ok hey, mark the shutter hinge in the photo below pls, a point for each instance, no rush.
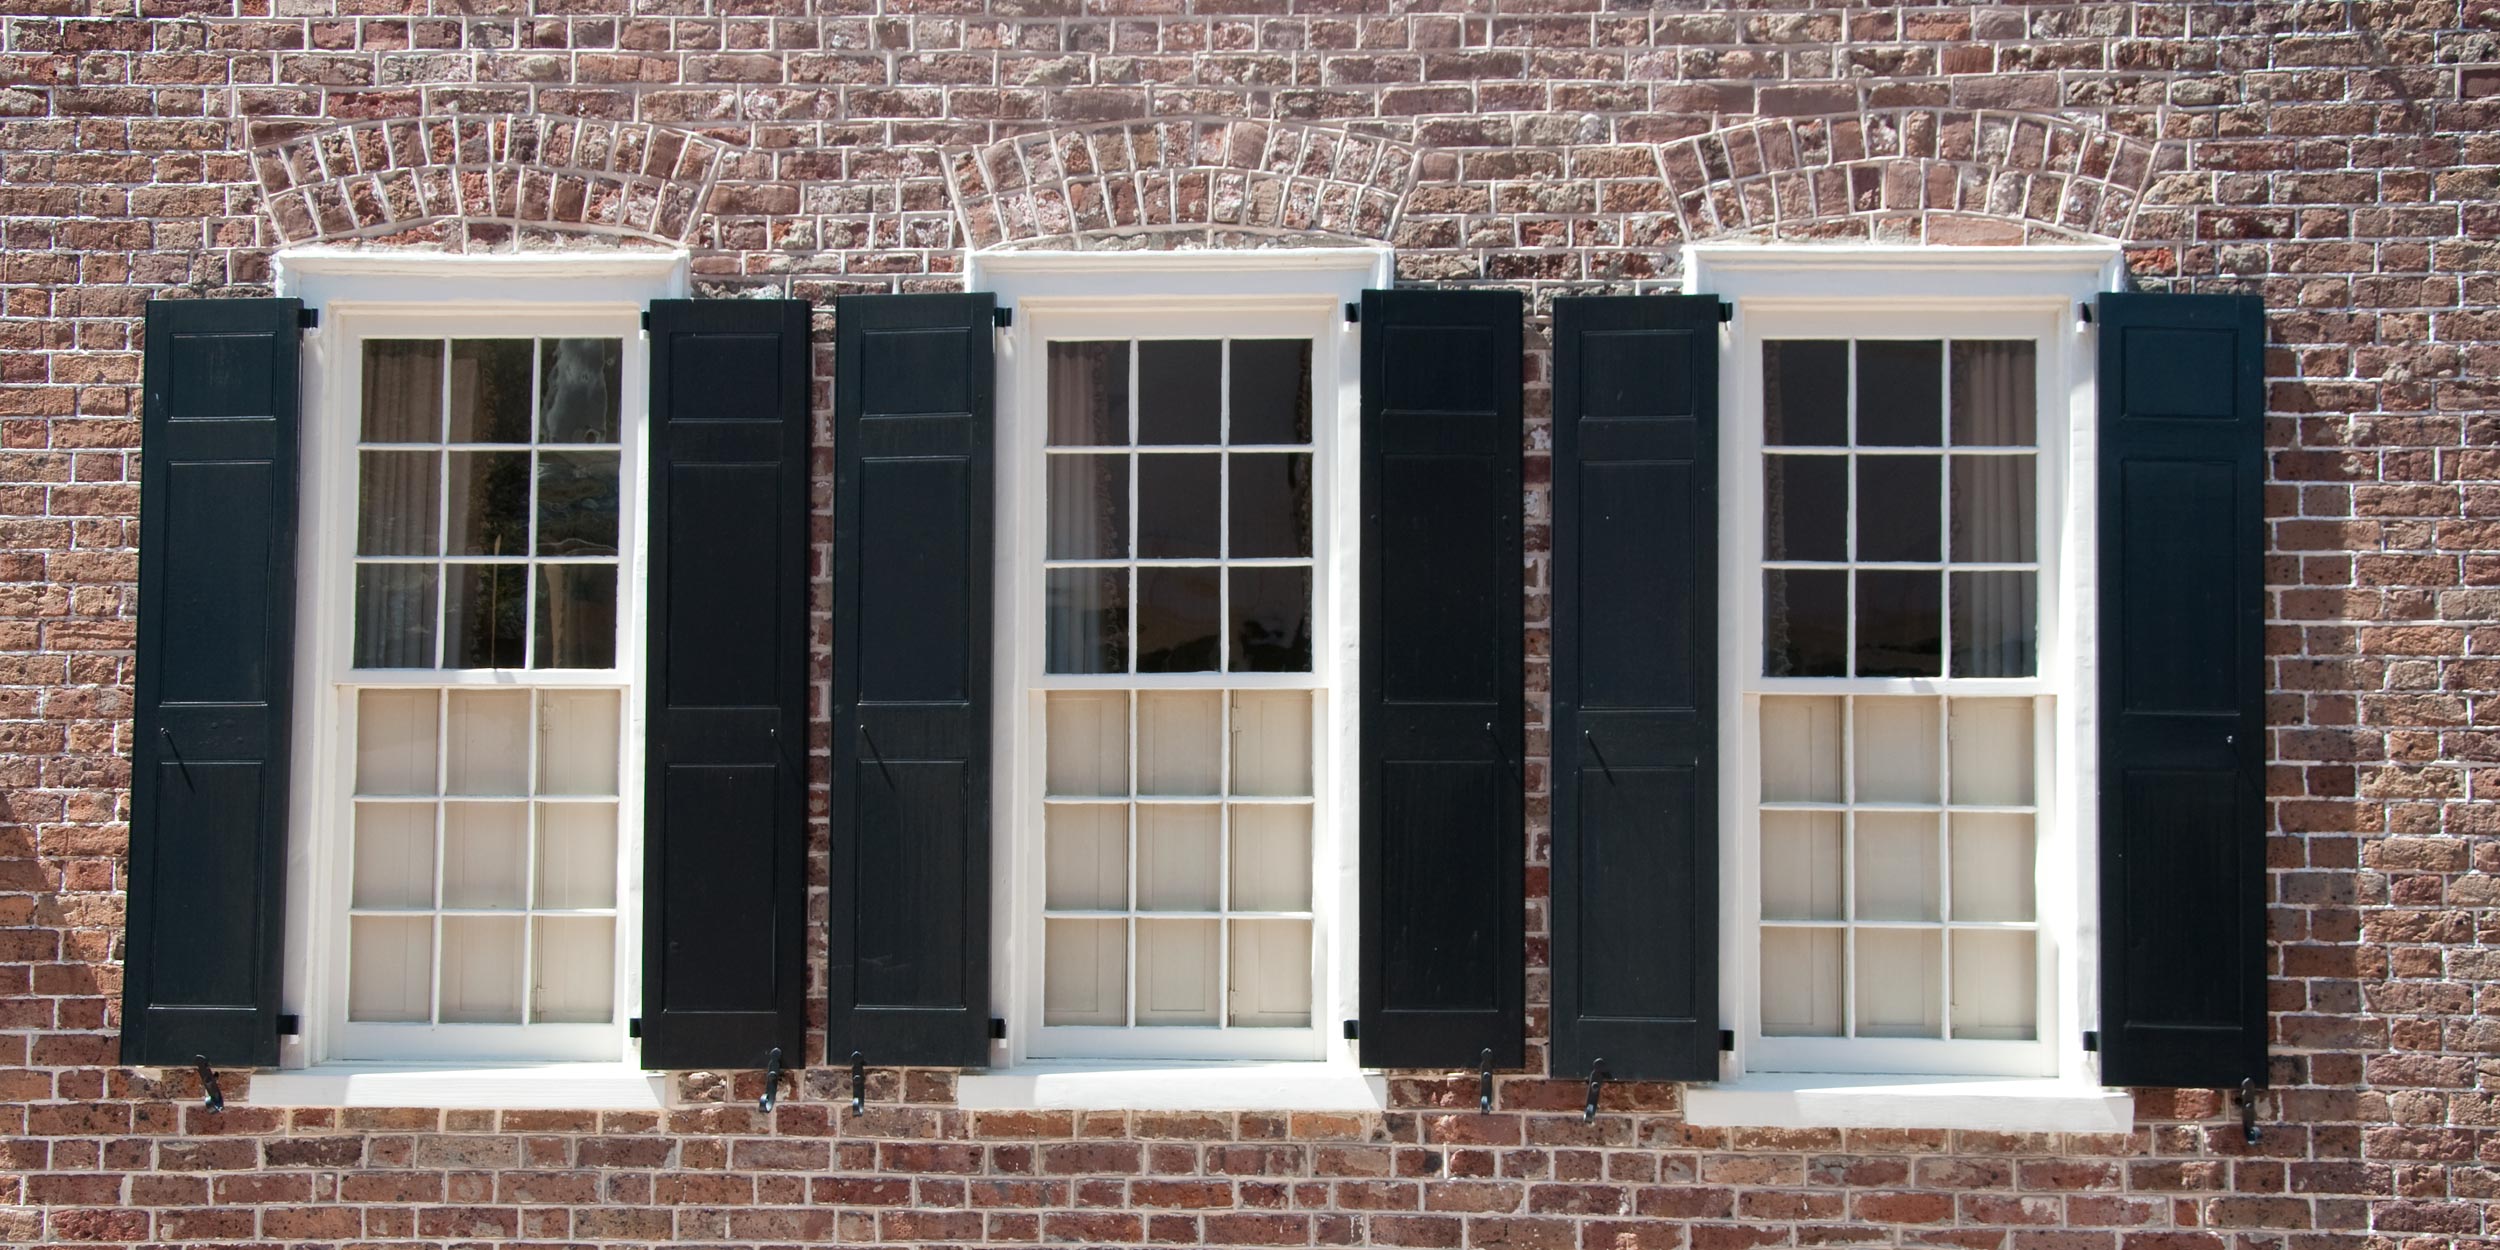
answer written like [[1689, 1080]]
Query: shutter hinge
[[1727, 312], [289, 1024], [1002, 317], [998, 1028], [307, 318], [2083, 313], [1354, 314], [646, 319], [772, 1081], [633, 1027], [1353, 1029], [1727, 1041], [2091, 1041]]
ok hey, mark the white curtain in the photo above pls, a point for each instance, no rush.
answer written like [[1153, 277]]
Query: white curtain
[[1994, 516]]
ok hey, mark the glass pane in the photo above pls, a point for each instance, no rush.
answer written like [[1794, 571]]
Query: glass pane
[[1992, 872], [390, 968], [579, 382], [1178, 868], [403, 401], [1805, 622], [1085, 857], [489, 504], [1087, 750], [482, 615], [1088, 394], [576, 616], [1994, 516], [1271, 391], [1180, 736], [485, 854], [394, 860], [1084, 972], [1805, 507], [577, 742], [1271, 857], [1896, 754], [1801, 749], [1087, 614], [1996, 629], [395, 615], [1995, 394], [1899, 978], [1897, 874], [1271, 505], [1179, 391], [1177, 498], [1088, 507], [482, 969], [395, 503], [1801, 866], [488, 742], [1900, 513], [1271, 974], [490, 390], [1271, 620], [1900, 624], [1176, 620], [1801, 971], [395, 735], [576, 855], [1805, 393], [1992, 757], [577, 503], [1995, 985], [1271, 741], [1900, 393], [1177, 972], [573, 977]]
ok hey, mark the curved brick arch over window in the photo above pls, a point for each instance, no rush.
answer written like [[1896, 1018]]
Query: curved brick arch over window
[[1915, 176], [481, 182], [1181, 180]]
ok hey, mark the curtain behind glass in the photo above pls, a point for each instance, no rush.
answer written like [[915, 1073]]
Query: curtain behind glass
[[1994, 515]]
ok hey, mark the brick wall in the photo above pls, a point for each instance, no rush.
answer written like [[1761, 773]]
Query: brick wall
[[2340, 158]]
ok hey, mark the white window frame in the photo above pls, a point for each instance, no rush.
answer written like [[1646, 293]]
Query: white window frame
[[1261, 293], [1917, 292], [361, 295]]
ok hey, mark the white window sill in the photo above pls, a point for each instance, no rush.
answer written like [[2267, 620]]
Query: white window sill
[[1173, 1087], [1985, 1104], [515, 1087]]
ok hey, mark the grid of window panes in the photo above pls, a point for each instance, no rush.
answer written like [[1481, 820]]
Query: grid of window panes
[[488, 504], [1899, 828]]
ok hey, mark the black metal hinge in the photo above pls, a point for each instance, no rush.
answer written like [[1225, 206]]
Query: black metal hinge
[[307, 318], [2091, 1040], [1353, 1029], [646, 319], [289, 1024], [633, 1027], [998, 1028], [1002, 317], [1354, 314], [1727, 1041], [1727, 312], [2083, 313]]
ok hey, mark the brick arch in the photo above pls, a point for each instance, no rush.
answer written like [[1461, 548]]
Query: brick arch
[[1914, 175], [1179, 181], [476, 182]]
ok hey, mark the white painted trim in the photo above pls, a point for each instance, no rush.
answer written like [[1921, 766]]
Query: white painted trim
[[1174, 1087], [532, 1087], [327, 276], [1917, 1102], [987, 265]]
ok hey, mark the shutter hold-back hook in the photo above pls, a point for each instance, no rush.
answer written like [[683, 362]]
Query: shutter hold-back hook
[[1597, 1079], [859, 1083], [1484, 1082], [2248, 1109], [216, 1098], [772, 1081]]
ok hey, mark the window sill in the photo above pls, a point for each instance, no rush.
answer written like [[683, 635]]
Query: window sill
[[1985, 1104], [1173, 1087], [514, 1087]]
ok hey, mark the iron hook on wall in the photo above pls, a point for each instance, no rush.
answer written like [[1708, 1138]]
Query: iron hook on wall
[[215, 1099], [1597, 1081], [772, 1081], [2247, 1098], [859, 1083], [1484, 1082]]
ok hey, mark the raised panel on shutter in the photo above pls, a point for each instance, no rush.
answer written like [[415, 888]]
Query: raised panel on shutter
[[2182, 689], [1635, 744], [219, 438], [1442, 896], [725, 811], [908, 972]]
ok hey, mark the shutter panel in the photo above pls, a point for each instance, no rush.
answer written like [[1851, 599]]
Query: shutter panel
[[909, 972], [1442, 930], [1635, 776], [2182, 697], [725, 811], [219, 437]]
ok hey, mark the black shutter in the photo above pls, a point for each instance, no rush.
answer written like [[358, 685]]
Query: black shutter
[[2182, 707], [219, 433], [909, 968], [725, 812], [1443, 934], [1636, 847]]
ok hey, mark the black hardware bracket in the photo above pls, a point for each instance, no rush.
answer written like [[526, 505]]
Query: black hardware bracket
[[216, 1098], [1002, 317], [859, 1083], [1597, 1080], [1353, 314], [772, 1081], [176, 752], [307, 318], [646, 319], [290, 1024], [875, 754], [1603, 766], [2247, 1098], [1484, 1082], [1727, 1041], [2091, 1041], [1353, 1030], [633, 1027], [998, 1028], [1727, 312], [2083, 313]]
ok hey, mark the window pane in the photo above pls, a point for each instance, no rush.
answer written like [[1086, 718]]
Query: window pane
[[482, 615], [1271, 974], [1899, 510], [1995, 394], [485, 854], [490, 390], [403, 401], [579, 381], [577, 503], [1899, 978], [1900, 624], [1805, 507], [1088, 394], [1179, 391], [1088, 507], [394, 856], [1805, 393], [1801, 866], [1088, 747], [1801, 979], [576, 855], [1992, 755], [395, 615], [1271, 391], [1805, 623], [1177, 611], [1178, 866], [1177, 498], [1996, 624], [1271, 505], [482, 969], [1177, 975], [1180, 742], [1271, 620], [490, 498], [574, 981], [1995, 980], [395, 503], [1900, 393], [1085, 857], [1087, 614], [1994, 514], [1897, 874], [577, 616], [1271, 858], [390, 973], [1085, 972], [1992, 867]]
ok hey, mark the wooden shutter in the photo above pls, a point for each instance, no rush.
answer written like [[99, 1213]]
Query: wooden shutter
[[725, 814], [1442, 931], [2182, 697], [1635, 746], [219, 434], [913, 416]]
